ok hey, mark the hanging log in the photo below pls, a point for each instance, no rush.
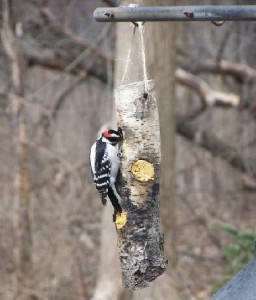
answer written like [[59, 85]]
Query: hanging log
[[140, 242]]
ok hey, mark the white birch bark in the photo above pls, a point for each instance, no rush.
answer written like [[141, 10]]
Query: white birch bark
[[140, 242]]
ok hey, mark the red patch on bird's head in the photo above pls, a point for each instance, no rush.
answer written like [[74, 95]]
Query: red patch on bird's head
[[106, 134]]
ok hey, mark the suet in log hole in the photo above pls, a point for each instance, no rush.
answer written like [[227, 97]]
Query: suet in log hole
[[121, 219], [143, 170]]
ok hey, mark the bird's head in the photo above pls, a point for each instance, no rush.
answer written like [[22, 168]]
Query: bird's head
[[112, 136]]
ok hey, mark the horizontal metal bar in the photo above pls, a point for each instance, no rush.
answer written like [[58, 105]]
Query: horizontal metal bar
[[176, 13]]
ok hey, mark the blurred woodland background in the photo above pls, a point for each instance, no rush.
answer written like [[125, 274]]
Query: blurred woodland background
[[58, 69]]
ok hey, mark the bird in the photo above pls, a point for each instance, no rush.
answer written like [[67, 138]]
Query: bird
[[105, 158]]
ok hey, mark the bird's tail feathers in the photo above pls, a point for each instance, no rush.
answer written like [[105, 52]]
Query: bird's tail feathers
[[103, 199]]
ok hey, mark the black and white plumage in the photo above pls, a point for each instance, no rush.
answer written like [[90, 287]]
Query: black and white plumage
[[105, 161]]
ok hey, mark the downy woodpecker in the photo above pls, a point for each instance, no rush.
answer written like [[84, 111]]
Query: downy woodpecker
[[105, 161]]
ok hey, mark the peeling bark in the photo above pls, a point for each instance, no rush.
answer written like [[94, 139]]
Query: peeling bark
[[140, 242]]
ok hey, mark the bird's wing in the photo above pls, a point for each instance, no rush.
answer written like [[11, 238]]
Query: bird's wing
[[101, 170]]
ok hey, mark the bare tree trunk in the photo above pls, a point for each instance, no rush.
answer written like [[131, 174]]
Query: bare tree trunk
[[109, 285], [22, 251]]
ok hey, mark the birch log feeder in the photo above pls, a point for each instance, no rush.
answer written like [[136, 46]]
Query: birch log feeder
[[139, 239]]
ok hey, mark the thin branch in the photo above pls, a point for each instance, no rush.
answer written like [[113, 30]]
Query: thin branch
[[242, 72], [208, 95], [13, 51], [52, 58], [77, 40]]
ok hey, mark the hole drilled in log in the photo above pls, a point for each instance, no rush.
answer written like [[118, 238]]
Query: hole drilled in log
[[143, 170]]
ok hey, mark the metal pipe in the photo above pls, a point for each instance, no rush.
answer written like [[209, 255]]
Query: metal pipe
[[176, 13]]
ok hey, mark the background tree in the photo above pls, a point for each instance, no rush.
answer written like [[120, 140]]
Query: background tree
[[67, 96]]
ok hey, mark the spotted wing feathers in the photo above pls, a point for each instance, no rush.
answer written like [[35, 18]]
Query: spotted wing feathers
[[102, 180], [101, 171]]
